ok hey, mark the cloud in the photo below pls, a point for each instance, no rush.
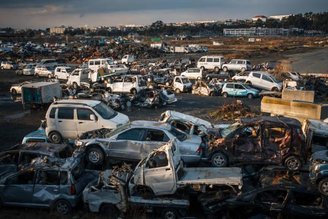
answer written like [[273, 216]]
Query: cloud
[[45, 10]]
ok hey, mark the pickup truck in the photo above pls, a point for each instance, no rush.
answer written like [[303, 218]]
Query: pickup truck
[[162, 173]]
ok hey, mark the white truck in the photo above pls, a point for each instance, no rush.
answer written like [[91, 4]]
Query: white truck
[[80, 76], [162, 173], [181, 84]]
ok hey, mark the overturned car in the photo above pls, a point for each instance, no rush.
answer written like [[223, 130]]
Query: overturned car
[[262, 140]]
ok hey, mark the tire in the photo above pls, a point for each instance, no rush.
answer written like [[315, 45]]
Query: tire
[[55, 137], [293, 163], [49, 76], [250, 96], [275, 89], [169, 213], [218, 159], [225, 94], [211, 94], [95, 156], [133, 91], [323, 186], [14, 92], [110, 211], [243, 69], [177, 91], [225, 69], [62, 207], [216, 69]]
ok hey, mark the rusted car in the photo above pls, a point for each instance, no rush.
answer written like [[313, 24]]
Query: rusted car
[[261, 140]]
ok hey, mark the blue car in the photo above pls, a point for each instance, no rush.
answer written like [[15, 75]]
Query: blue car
[[239, 90]]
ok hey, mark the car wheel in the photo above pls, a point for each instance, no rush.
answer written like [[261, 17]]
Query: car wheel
[[293, 163], [323, 186], [275, 89], [110, 211], [49, 76], [211, 94], [243, 69], [218, 159], [169, 213], [14, 92], [225, 69], [216, 69], [133, 91], [225, 95], [55, 137], [95, 156], [62, 207], [177, 91], [250, 96], [203, 68]]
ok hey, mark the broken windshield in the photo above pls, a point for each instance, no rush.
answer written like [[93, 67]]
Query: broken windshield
[[226, 131]]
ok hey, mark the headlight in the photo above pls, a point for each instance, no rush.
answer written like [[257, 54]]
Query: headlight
[[79, 143]]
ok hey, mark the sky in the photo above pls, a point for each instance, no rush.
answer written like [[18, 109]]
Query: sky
[[77, 13]]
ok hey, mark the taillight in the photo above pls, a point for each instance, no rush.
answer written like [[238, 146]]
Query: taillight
[[72, 190]]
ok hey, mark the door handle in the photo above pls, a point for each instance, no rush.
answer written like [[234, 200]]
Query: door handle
[[80, 122], [59, 121], [167, 169]]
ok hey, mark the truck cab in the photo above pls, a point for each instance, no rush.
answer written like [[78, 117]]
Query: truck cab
[[77, 77], [181, 84]]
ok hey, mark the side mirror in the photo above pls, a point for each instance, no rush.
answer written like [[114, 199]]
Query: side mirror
[[93, 117]]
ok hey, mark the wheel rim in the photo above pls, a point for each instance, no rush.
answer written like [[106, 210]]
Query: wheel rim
[[293, 164], [324, 188], [250, 96], [62, 208], [94, 156], [55, 138], [218, 160]]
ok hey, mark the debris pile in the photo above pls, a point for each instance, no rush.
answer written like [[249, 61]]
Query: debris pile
[[231, 112]]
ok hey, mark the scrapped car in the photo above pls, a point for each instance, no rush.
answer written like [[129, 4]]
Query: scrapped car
[[8, 65], [282, 200], [21, 155], [125, 84], [241, 77], [319, 171], [133, 141], [193, 73], [202, 88], [44, 71], [62, 72], [261, 140], [16, 89], [28, 69], [181, 84], [237, 65], [57, 185], [263, 80], [239, 90]]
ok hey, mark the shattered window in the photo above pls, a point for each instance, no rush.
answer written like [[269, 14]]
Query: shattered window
[[84, 114], [156, 135], [9, 158], [65, 113], [182, 126], [48, 177], [132, 134], [26, 158], [26, 177], [158, 159]]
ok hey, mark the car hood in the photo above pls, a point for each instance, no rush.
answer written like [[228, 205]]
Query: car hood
[[120, 119], [320, 155]]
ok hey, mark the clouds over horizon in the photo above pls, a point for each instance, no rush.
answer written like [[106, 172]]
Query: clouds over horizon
[[48, 13]]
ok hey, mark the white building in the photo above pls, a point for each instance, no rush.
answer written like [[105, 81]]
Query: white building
[[259, 17], [57, 30], [279, 17]]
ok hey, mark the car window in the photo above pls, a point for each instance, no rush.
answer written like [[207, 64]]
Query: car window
[[27, 157], [25, 177], [52, 113], [48, 177], [209, 59], [232, 62], [238, 86], [257, 75], [84, 114], [9, 157], [65, 113], [135, 134], [157, 159], [266, 78], [178, 80], [229, 86], [156, 135], [104, 111], [63, 178], [202, 60], [181, 136], [271, 197], [216, 59], [181, 125], [240, 62]]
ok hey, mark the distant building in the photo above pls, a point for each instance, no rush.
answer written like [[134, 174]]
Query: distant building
[[259, 17], [57, 30], [256, 31], [279, 17]]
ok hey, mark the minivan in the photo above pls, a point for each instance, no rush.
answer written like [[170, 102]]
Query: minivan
[[69, 119], [211, 62], [263, 80]]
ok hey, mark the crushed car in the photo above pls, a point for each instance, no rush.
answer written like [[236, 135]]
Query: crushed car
[[202, 88], [260, 140], [319, 171]]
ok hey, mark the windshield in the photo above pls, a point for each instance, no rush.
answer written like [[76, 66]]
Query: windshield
[[178, 134], [247, 86], [185, 80], [117, 130], [105, 111], [274, 80], [226, 131]]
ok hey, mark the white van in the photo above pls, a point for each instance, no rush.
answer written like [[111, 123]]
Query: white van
[[263, 80], [95, 64], [128, 59], [72, 117], [78, 76], [126, 84], [213, 62], [62, 72]]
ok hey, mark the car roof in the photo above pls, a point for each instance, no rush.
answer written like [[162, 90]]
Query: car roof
[[90, 103], [150, 124], [272, 119], [42, 147]]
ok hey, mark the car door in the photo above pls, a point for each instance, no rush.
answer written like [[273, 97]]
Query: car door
[[153, 139], [66, 123], [118, 84], [240, 90], [84, 122], [275, 141], [128, 145], [127, 84], [46, 187], [266, 82], [256, 79], [18, 188]]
